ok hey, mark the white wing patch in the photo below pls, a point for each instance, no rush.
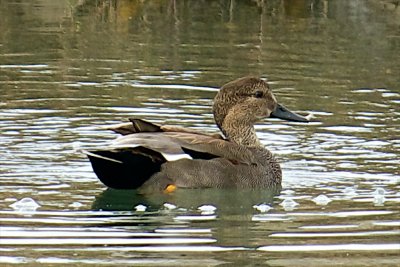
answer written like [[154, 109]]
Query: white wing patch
[[174, 157]]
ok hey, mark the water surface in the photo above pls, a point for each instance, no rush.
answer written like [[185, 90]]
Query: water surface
[[67, 68]]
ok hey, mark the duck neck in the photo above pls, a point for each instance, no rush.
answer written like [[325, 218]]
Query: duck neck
[[240, 130]]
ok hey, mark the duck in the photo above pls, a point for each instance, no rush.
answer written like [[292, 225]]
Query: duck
[[156, 158]]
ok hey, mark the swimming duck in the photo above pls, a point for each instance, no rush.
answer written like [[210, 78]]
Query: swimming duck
[[162, 158]]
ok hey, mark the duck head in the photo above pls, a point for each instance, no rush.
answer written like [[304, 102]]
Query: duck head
[[241, 103]]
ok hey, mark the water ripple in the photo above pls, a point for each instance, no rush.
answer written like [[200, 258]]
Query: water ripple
[[334, 247]]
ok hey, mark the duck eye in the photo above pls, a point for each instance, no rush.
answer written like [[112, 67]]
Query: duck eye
[[258, 94]]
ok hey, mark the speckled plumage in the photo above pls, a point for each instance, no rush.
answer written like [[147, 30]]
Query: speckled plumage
[[149, 157]]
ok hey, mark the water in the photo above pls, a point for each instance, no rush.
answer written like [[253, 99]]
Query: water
[[68, 68]]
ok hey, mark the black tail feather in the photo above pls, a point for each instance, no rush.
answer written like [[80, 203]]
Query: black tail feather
[[127, 169]]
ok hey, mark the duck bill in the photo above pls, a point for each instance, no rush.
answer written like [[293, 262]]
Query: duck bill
[[283, 113]]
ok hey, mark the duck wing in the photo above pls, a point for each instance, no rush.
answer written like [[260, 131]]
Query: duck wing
[[181, 140], [142, 126], [177, 145], [134, 126]]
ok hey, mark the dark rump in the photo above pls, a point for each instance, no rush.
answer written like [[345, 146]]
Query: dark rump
[[133, 169]]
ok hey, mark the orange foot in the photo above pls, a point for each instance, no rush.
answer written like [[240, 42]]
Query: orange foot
[[170, 188]]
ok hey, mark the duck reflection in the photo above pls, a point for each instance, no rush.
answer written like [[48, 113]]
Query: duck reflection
[[227, 201]]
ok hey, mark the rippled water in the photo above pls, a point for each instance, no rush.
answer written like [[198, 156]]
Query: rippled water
[[68, 69]]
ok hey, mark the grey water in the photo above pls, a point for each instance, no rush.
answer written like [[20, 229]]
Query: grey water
[[68, 68]]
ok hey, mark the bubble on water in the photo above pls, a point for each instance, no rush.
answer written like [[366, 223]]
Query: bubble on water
[[207, 209], [379, 192], [140, 207], [288, 192], [349, 192], [26, 204], [169, 206], [379, 196], [379, 200], [75, 205], [289, 204], [321, 200], [262, 207]]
